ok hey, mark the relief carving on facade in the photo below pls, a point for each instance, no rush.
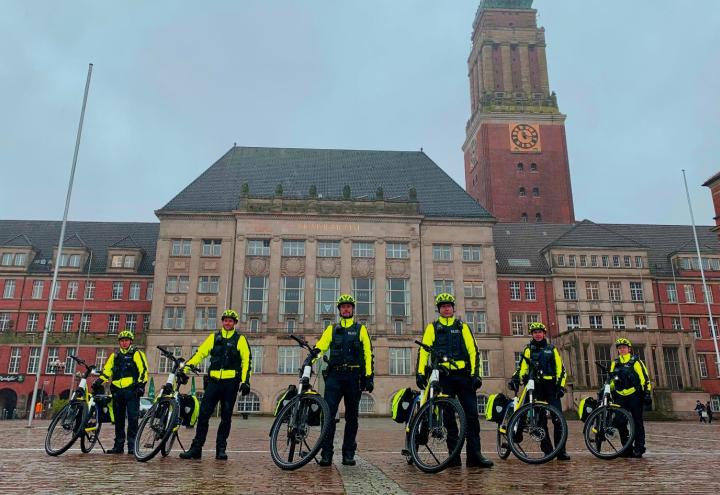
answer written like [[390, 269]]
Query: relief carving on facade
[[397, 268], [257, 265], [292, 266], [177, 266], [363, 267], [472, 270], [210, 265], [328, 267], [443, 270]]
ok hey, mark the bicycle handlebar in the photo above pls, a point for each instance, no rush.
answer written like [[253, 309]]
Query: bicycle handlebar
[[435, 353], [178, 361], [82, 363]]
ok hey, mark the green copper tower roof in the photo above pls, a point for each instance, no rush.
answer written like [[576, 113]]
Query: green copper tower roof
[[506, 4]]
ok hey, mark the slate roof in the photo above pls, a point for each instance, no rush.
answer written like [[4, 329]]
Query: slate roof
[[219, 187], [96, 236]]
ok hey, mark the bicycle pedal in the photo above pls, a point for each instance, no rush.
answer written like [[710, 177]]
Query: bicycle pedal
[[405, 452]]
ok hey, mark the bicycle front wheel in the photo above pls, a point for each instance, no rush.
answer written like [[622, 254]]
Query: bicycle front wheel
[[299, 430], [65, 428], [437, 434], [503, 446], [167, 446], [528, 434], [155, 429], [91, 431], [609, 431]]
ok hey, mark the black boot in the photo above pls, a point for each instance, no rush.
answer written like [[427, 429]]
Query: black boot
[[480, 461], [131, 450], [194, 452], [348, 460], [325, 459], [563, 456], [455, 462], [220, 453], [115, 450]]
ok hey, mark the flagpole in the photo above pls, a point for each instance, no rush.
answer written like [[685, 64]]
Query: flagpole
[[59, 250], [706, 290]]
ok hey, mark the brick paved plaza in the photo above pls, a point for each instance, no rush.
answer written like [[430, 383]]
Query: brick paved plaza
[[682, 458]]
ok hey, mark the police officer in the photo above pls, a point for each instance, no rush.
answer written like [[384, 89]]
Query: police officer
[[631, 389], [350, 371], [229, 371], [126, 370], [550, 386], [453, 338]]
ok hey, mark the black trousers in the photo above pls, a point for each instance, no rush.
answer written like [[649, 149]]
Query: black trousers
[[634, 404], [342, 385], [549, 393], [125, 402], [460, 387], [222, 391]]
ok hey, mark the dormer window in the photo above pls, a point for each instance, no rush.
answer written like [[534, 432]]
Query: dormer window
[[70, 260], [123, 261]]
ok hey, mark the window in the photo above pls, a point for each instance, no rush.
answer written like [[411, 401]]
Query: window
[[638, 262], [293, 248], [51, 365], [149, 292], [583, 260], [483, 363], [254, 325], [641, 322], [131, 322], [5, 322], [472, 253], [519, 167], [116, 261], [117, 290], [134, 293], [707, 294], [676, 323], [56, 290], [517, 356], [626, 262], [593, 260], [203, 366], [672, 368], [14, 364], [37, 290], [166, 365], [255, 297], [616, 261], [671, 291], [174, 318], [288, 359], [327, 291], [70, 260], [208, 285], [400, 361], [596, 321], [292, 296], [249, 403], [113, 323], [179, 284], [482, 404], [363, 250], [536, 191], [523, 217], [689, 293], [618, 322], [441, 286], [572, 321], [180, 247], [521, 192], [571, 260], [514, 290], [363, 290], [90, 289], [615, 291], [517, 323], [32, 323], [530, 293], [636, 291], [476, 321], [290, 325], [695, 327], [146, 322], [33, 360], [396, 250], [7, 259], [702, 366], [258, 247], [398, 298], [474, 289], [67, 323], [9, 290], [367, 404], [602, 355], [85, 322], [212, 247], [258, 357], [70, 362], [51, 322], [715, 402], [328, 249], [129, 261], [560, 260], [442, 252], [72, 290], [569, 290], [605, 261], [533, 167], [592, 290]]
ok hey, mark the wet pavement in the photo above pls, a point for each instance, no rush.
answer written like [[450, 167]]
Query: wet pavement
[[682, 457]]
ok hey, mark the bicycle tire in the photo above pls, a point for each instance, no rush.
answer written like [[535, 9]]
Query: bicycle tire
[[69, 421], [431, 422], [535, 431], [601, 426], [88, 439], [294, 416], [502, 445], [159, 421], [167, 446]]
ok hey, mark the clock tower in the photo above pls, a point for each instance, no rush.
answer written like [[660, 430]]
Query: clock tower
[[516, 160]]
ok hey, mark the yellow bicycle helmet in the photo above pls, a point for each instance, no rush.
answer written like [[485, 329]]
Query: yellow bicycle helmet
[[536, 325], [230, 313], [623, 341], [345, 299], [444, 298], [126, 334]]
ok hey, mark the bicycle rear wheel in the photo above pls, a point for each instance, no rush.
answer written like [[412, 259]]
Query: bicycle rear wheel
[[91, 431], [528, 433], [66, 427], [299, 430], [602, 432], [437, 434], [155, 429]]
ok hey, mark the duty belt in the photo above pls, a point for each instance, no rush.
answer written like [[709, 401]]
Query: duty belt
[[345, 367]]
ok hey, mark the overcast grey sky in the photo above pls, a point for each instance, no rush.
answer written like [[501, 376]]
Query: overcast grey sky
[[176, 83]]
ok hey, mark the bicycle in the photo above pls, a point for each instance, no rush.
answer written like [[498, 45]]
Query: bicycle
[[157, 431], [301, 425], [79, 418], [603, 424], [439, 424], [529, 421]]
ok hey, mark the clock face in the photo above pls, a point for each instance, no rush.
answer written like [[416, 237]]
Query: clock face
[[524, 136]]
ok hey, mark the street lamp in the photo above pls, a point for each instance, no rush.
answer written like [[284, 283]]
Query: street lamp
[[55, 365]]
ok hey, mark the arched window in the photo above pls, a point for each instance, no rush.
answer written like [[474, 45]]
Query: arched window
[[523, 217], [482, 402], [536, 191], [533, 167], [538, 218], [520, 167], [367, 404], [249, 403], [521, 192]]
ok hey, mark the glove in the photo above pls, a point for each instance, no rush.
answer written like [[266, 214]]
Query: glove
[[98, 388], [647, 399], [561, 392], [421, 381], [140, 389], [369, 384], [514, 384], [244, 388], [476, 382]]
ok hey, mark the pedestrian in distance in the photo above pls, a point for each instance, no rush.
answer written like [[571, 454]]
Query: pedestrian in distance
[[700, 409], [709, 411]]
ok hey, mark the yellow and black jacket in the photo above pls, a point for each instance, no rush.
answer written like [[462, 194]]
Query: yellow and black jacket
[[547, 362], [125, 368], [631, 375], [349, 345], [454, 339], [229, 353]]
